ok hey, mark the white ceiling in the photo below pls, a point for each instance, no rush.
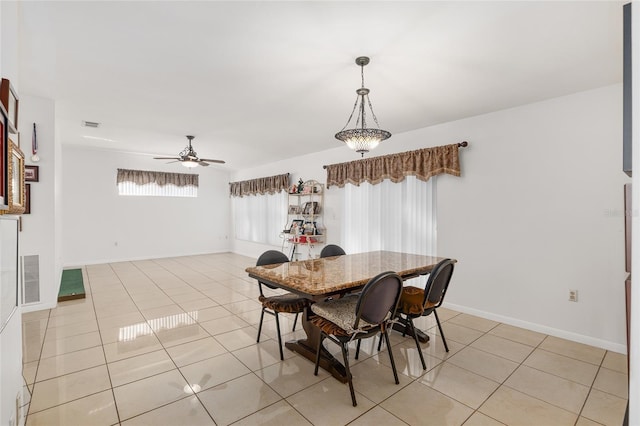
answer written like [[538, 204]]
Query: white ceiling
[[259, 81]]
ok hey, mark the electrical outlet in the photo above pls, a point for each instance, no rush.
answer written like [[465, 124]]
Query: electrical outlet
[[573, 295]]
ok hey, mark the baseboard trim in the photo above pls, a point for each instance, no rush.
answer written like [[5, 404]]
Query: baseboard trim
[[563, 334], [80, 264]]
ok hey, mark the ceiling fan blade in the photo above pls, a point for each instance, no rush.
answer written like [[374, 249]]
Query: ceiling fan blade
[[202, 163], [166, 158], [212, 161]]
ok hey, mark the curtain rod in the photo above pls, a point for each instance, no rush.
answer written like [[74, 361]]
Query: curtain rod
[[460, 145]]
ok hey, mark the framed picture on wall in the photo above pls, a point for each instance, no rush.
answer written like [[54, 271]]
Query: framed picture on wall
[[4, 199], [16, 179], [31, 173], [9, 100], [27, 198]]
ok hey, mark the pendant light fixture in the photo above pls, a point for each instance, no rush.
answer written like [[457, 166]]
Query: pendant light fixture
[[360, 138]]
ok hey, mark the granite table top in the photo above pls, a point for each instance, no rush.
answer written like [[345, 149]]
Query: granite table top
[[331, 275]]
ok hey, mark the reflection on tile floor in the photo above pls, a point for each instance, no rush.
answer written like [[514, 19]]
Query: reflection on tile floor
[[172, 341]]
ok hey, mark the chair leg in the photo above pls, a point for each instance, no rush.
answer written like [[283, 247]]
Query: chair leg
[[358, 348], [415, 338], [446, 348], [345, 355], [279, 338], [260, 326], [318, 350], [393, 363], [295, 320], [380, 344]]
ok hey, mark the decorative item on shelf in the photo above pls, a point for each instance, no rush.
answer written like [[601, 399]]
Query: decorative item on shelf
[[296, 227], [362, 139], [304, 239], [9, 100], [34, 145], [311, 208], [300, 188], [294, 209], [311, 228], [31, 173]]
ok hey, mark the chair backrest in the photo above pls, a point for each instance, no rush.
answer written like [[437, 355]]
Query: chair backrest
[[271, 257], [332, 250], [379, 298], [437, 284]]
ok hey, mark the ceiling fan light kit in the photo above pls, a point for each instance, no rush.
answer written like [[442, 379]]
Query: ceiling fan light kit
[[189, 158], [360, 138]]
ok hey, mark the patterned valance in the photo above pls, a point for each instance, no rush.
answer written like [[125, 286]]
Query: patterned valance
[[143, 177], [265, 185], [422, 164]]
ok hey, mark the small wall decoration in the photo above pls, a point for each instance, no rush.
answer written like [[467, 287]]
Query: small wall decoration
[[34, 145], [27, 198], [31, 173]]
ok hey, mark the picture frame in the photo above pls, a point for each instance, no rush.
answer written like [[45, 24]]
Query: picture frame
[[27, 198], [296, 226], [310, 208], [4, 138], [294, 209], [310, 228], [9, 100], [16, 193], [32, 173]]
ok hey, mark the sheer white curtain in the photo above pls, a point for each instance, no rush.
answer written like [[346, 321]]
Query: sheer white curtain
[[390, 216], [260, 218], [152, 189]]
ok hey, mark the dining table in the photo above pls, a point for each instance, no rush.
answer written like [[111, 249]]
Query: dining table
[[332, 277]]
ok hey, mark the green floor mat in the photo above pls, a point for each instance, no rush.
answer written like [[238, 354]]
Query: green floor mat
[[71, 285]]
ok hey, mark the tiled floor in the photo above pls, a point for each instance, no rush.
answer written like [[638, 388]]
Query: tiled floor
[[172, 342]]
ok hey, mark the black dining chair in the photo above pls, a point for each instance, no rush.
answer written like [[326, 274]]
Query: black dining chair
[[332, 250], [283, 303], [359, 316], [416, 302]]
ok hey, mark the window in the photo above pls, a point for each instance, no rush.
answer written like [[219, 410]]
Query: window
[[260, 218], [390, 216], [156, 184], [260, 208]]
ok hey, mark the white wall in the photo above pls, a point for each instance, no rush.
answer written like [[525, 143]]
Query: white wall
[[95, 218], [538, 211], [38, 228]]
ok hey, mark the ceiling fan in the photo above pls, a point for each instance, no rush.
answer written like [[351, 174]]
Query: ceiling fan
[[189, 158]]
